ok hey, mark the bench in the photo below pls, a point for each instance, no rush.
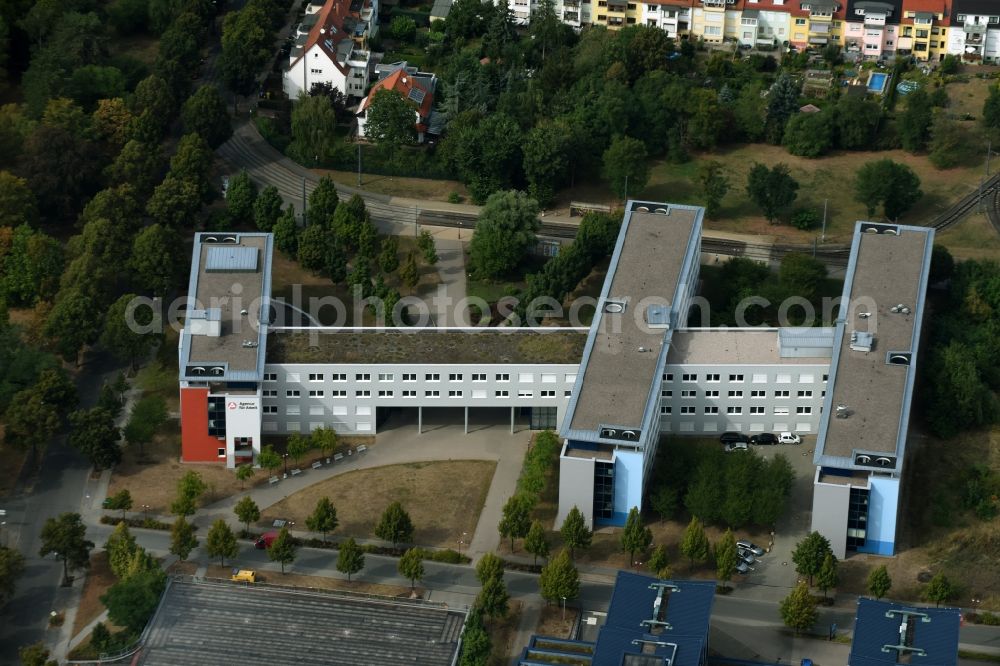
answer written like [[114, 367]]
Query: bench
[[362, 448], [273, 480], [317, 465], [338, 456], [296, 471]]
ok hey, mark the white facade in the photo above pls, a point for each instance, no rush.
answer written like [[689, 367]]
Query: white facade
[[350, 75], [669, 18], [976, 35]]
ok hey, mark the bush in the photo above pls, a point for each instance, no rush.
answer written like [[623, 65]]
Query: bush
[[455, 198], [144, 523], [537, 461], [403, 28], [806, 219]]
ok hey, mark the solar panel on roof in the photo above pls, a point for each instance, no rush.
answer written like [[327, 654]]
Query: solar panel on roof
[[417, 95]]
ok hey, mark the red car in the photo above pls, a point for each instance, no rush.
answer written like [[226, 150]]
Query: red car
[[265, 540]]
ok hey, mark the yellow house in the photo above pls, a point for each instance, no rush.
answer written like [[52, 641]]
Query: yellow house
[[924, 31], [708, 20]]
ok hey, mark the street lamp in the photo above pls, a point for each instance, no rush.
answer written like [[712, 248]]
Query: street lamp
[[461, 542], [564, 608], [284, 459], [145, 513]]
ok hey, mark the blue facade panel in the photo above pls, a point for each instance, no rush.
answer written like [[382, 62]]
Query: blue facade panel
[[883, 506], [628, 484]]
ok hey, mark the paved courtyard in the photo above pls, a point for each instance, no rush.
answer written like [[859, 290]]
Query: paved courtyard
[[204, 623]]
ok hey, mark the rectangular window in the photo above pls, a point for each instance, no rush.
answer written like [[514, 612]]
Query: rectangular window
[[363, 377], [503, 377], [524, 393], [734, 410], [409, 393], [758, 394], [805, 394], [688, 409], [669, 377], [454, 377], [363, 410], [479, 377], [759, 379], [478, 394], [711, 394], [315, 394], [783, 379], [713, 378], [781, 411], [292, 393], [689, 394], [756, 410], [409, 376], [665, 410], [340, 393], [826, 378], [689, 378], [711, 410], [736, 378], [807, 379], [385, 394], [315, 377], [548, 394], [292, 410], [270, 409], [338, 377], [221, 453], [433, 377], [502, 394], [781, 394], [571, 379], [432, 394], [736, 394], [362, 394], [454, 394], [803, 410], [800, 21], [270, 393], [548, 378], [666, 394], [270, 376], [567, 394], [525, 377], [386, 377], [340, 410], [316, 410], [292, 378]]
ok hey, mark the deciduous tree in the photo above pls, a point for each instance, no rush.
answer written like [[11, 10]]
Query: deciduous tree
[[535, 542], [659, 562], [879, 583], [559, 579], [182, 538], [827, 578], [247, 511], [915, 121], [155, 260], [190, 488], [391, 120], [798, 609], [314, 130], [505, 233], [771, 189], [411, 565], [624, 166], [147, 416], [714, 186], [323, 519], [120, 501], [725, 557], [17, 202], [221, 542], [516, 519], [939, 590], [888, 184], [694, 544], [286, 232], [635, 537], [350, 558], [240, 197], [66, 537], [204, 113], [132, 601], [809, 554], [395, 525], [124, 335], [574, 531], [267, 208], [11, 569], [94, 434], [476, 645]]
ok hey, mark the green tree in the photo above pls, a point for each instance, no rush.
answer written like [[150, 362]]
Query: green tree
[[350, 558], [493, 598], [505, 233], [395, 525], [323, 518], [890, 184], [132, 601], [94, 435], [190, 488], [750, 112], [286, 232], [138, 164], [66, 537], [315, 245], [240, 197], [798, 609], [175, 202], [155, 260], [483, 151], [489, 566], [664, 501], [635, 537], [193, 162], [500, 33], [30, 421], [283, 549], [247, 512], [32, 267], [391, 120], [535, 542], [546, 158], [991, 109], [939, 590], [17, 202], [476, 645], [725, 557], [204, 113], [120, 548], [388, 258], [769, 501], [267, 208], [879, 583], [409, 274], [243, 474], [809, 554], [803, 273], [298, 446], [120, 501], [147, 416], [624, 166], [947, 146], [942, 263], [325, 440], [659, 563], [782, 102], [221, 542], [809, 134], [11, 569], [153, 105], [857, 120], [574, 531], [112, 122], [694, 544], [827, 578], [182, 538], [403, 28], [120, 336], [914, 122], [714, 186], [314, 130], [426, 245], [411, 565], [771, 189], [559, 579], [246, 47], [323, 204], [706, 491], [516, 519]]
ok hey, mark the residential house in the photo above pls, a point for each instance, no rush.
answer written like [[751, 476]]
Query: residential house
[[765, 22], [872, 28], [574, 13], [825, 21], [671, 16], [975, 30], [709, 20], [330, 47], [417, 87]]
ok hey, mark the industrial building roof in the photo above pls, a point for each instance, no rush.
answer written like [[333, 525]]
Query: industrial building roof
[[869, 392], [725, 346], [624, 354], [426, 345], [887, 633], [230, 274]]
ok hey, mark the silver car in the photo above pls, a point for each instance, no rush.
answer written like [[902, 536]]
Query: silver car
[[752, 547], [746, 555], [742, 567]]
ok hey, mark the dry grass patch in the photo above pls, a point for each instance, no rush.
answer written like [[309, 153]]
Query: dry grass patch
[[968, 97], [972, 238], [502, 634], [291, 579], [99, 579], [556, 622], [443, 499], [153, 480], [417, 188]]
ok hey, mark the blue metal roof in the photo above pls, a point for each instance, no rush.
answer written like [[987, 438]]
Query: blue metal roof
[[931, 633]]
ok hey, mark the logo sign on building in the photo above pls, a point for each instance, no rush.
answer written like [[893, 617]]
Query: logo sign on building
[[247, 405]]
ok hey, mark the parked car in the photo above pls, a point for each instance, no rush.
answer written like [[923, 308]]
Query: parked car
[[764, 439], [751, 546], [265, 540], [746, 555], [742, 567], [733, 437], [789, 438], [737, 446], [243, 576]]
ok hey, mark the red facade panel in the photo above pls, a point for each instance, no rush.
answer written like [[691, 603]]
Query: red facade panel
[[196, 444]]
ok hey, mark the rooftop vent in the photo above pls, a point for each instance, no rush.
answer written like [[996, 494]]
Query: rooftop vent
[[898, 358], [219, 238], [873, 460], [900, 309], [842, 411], [862, 341], [864, 315], [615, 306], [658, 316], [873, 228]]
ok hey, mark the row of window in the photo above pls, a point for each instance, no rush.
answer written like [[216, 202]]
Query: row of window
[[410, 393], [736, 378], [757, 394], [524, 377], [736, 410]]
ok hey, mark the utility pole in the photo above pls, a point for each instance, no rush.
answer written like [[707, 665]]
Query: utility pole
[[626, 188], [823, 238], [982, 181], [303, 201], [359, 163]]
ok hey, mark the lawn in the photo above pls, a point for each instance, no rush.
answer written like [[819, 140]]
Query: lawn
[[153, 481], [443, 498], [159, 376], [556, 621], [99, 579], [966, 97], [502, 634], [292, 579], [397, 186], [510, 285], [972, 238]]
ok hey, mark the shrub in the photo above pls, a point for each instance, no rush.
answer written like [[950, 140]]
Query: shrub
[[805, 219], [454, 198]]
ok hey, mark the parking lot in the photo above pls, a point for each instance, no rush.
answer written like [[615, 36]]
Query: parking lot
[[220, 624]]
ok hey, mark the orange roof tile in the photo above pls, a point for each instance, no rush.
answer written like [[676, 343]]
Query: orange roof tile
[[403, 83]]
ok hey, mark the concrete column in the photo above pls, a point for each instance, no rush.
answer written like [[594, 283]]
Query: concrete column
[[512, 420], [420, 420], [466, 420]]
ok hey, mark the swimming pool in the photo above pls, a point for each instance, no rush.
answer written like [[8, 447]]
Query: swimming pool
[[877, 81]]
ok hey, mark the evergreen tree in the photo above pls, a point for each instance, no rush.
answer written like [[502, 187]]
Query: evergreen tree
[[559, 579], [725, 557], [536, 543], [350, 559], [221, 542], [782, 102], [388, 258], [409, 274], [828, 578], [879, 583], [694, 545], [635, 537], [574, 531]]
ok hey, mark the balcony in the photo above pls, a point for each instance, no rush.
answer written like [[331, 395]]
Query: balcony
[[572, 17]]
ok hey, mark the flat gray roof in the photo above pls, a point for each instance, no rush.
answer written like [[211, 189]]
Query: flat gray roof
[[223, 625], [617, 377], [427, 345], [887, 270], [722, 346], [242, 283]]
